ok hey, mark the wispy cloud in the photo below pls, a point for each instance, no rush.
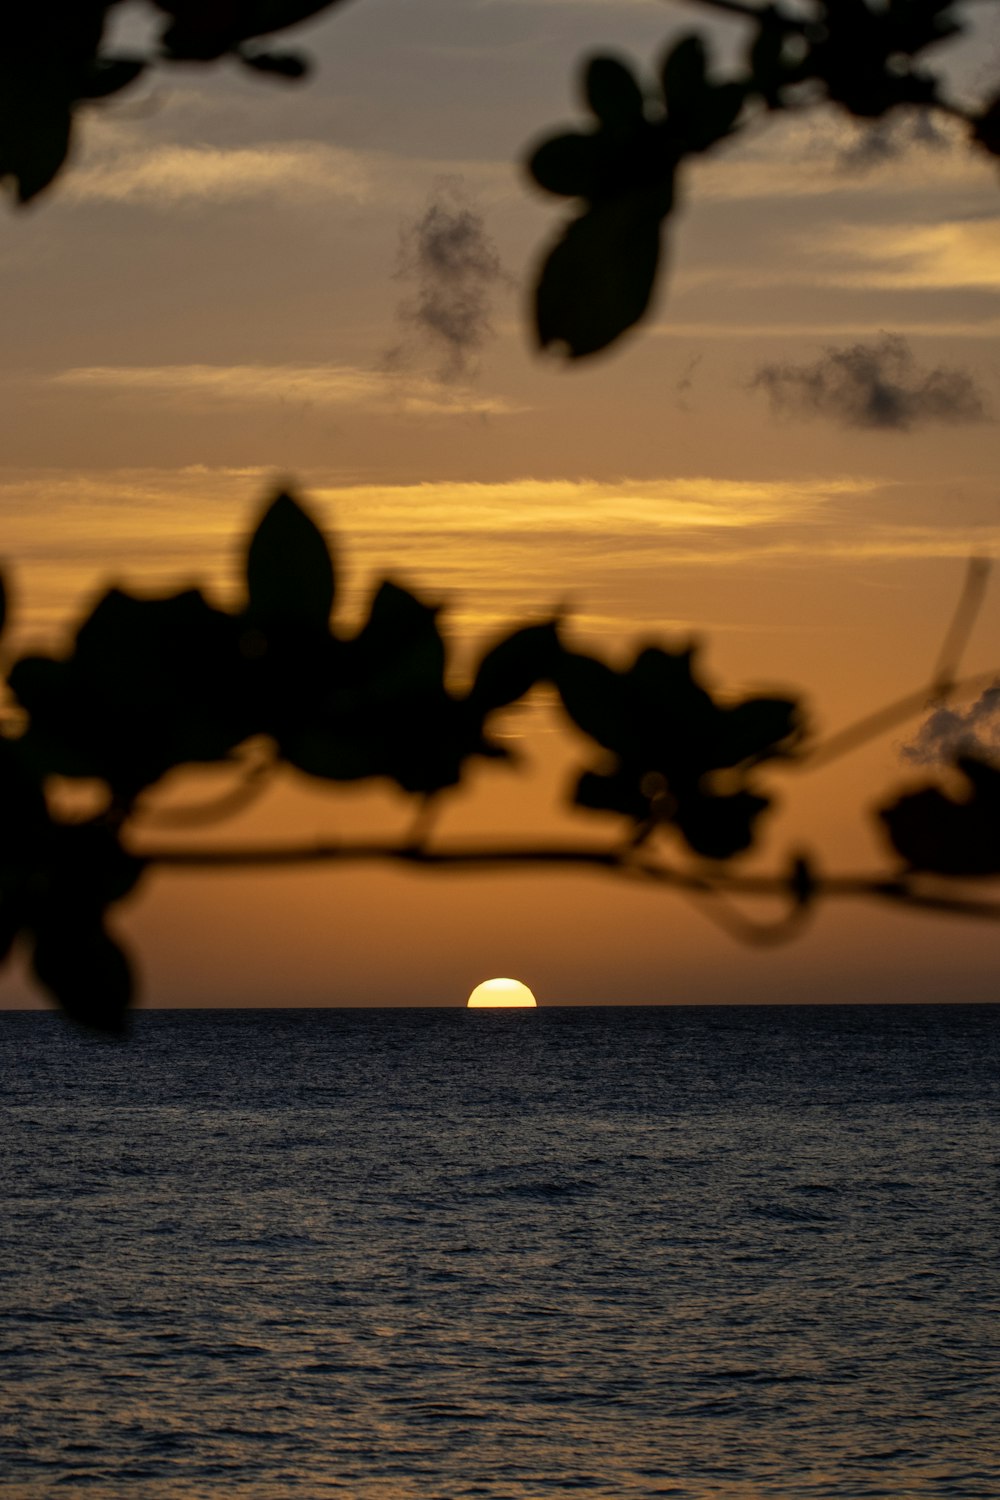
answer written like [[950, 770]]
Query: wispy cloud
[[984, 328], [490, 546], [302, 385], [874, 385], [959, 253], [160, 164], [817, 157], [494, 551], [164, 176]]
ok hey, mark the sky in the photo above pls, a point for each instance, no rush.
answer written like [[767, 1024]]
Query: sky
[[790, 462]]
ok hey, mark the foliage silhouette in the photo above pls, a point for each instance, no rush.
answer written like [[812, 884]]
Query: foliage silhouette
[[154, 684], [625, 170]]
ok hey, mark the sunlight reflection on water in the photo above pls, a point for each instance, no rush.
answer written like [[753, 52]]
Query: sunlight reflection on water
[[695, 1253]]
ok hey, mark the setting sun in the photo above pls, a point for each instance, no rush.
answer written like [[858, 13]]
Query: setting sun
[[501, 992]]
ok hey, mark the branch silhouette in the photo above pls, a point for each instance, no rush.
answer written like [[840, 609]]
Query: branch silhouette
[[155, 684]]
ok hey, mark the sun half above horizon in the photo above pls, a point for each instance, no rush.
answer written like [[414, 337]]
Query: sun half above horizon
[[505, 994]]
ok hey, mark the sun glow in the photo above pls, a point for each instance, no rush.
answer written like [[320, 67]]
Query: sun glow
[[494, 993]]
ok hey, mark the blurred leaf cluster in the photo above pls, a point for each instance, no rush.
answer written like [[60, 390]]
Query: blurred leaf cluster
[[868, 59], [153, 684], [54, 57]]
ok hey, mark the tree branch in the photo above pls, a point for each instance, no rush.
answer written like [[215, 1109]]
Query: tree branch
[[703, 883]]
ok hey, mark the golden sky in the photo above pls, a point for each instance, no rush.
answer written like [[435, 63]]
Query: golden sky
[[210, 299]]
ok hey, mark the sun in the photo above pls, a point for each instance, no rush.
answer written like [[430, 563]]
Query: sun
[[506, 993]]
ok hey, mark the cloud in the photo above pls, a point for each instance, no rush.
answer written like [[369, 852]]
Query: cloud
[[953, 731], [452, 268], [873, 385], [493, 550], [958, 253], [168, 175], [823, 155], [297, 385]]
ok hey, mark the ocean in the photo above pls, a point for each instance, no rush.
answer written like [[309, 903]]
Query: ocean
[[512, 1255]]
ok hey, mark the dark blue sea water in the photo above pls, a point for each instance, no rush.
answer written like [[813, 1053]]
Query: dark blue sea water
[[430, 1255]]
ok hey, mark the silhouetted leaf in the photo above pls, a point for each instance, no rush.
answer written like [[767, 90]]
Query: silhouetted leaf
[[986, 127], [35, 123], [152, 683], [291, 65], [23, 813], [203, 30], [109, 75], [668, 737], [400, 647], [567, 165], [719, 827], [514, 665], [10, 927], [597, 281], [684, 75], [946, 835], [719, 111], [613, 94], [767, 62], [612, 791], [290, 577], [598, 702], [85, 970], [753, 729]]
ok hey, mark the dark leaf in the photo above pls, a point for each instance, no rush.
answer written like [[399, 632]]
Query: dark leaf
[[11, 922], [344, 752], [719, 827], [767, 63], [109, 75], [291, 65], [567, 165], [613, 94], [598, 701], [152, 683], [597, 281], [714, 120], [86, 972], [87, 868], [290, 580], [684, 76], [400, 650], [203, 30], [514, 665], [755, 729], [661, 678], [986, 127], [35, 124], [24, 816], [950, 836], [615, 792]]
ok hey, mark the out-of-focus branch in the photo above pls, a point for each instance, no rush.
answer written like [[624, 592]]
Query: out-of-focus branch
[[704, 883]]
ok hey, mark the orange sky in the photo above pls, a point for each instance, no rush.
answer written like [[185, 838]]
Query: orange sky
[[210, 298]]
